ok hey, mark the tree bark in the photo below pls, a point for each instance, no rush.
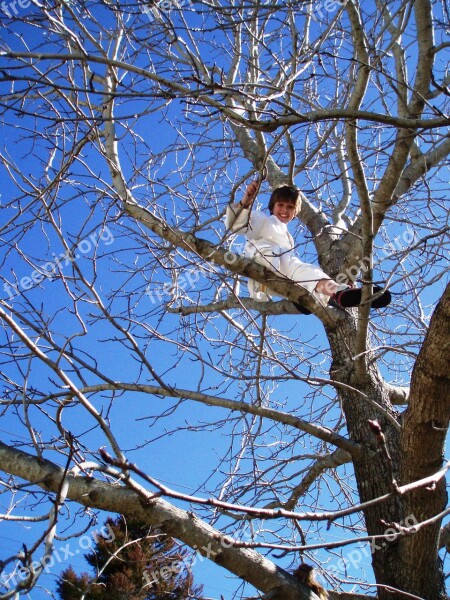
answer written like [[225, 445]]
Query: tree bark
[[423, 437], [407, 563], [152, 510]]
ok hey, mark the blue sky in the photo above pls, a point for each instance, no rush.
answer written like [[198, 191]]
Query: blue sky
[[172, 449]]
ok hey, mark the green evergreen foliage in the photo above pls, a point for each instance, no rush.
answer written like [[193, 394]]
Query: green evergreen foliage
[[132, 562]]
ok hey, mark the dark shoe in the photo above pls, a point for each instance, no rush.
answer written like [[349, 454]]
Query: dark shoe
[[301, 309], [383, 300], [352, 297]]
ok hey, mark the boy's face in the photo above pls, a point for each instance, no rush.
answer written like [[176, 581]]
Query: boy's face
[[284, 210]]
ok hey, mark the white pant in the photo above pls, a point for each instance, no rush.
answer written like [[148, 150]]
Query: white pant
[[284, 263]]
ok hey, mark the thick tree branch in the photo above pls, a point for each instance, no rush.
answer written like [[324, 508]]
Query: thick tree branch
[[384, 196], [87, 491], [420, 165], [322, 433], [282, 307], [424, 432], [234, 263], [427, 417], [398, 394]]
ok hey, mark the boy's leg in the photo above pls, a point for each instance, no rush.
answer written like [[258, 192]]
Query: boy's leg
[[351, 297], [311, 278], [263, 254], [257, 291], [324, 289], [277, 260]]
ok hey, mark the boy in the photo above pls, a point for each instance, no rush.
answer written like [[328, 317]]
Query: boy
[[270, 244]]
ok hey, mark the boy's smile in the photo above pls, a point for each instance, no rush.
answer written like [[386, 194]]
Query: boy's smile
[[284, 210]]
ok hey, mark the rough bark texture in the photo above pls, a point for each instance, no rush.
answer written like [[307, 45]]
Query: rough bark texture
[[424, 431], [373, 461], [407, 563]]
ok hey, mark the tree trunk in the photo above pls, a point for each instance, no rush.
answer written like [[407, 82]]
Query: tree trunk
[[423, 438], [404, 563]]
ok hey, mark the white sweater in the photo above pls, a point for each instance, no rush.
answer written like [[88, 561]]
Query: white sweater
[[261, 230], [269, 243]]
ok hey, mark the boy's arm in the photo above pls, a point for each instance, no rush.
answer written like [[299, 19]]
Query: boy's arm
[[250, 194], [237, 216]]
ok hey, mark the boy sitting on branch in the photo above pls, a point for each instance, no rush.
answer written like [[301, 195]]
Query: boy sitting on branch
[[270, 244]]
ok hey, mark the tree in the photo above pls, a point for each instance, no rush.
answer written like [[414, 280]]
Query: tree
[[127, 129], [131, 562]]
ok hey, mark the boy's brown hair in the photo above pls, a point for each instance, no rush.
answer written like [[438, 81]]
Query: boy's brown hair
[[285, 193]]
